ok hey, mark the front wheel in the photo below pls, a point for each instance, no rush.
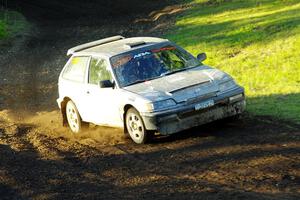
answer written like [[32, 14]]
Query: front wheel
[[74, 120], [135, 126]]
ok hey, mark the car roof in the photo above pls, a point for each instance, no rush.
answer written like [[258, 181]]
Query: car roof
[[118, 45]]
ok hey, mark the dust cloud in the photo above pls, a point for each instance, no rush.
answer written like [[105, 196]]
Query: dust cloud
[[50, 124]]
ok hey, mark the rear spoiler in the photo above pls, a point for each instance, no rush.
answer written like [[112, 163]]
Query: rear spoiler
[[93, 44]]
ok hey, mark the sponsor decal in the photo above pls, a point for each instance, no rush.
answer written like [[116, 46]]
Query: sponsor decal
[[75, 60], [121, 61], [141, 54], [163, 49]]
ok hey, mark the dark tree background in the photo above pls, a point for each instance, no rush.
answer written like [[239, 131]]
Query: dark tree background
[[55, 9]]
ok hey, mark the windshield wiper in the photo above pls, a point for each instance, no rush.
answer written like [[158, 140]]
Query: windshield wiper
[[136, 82], [141, 81], [179, 70]]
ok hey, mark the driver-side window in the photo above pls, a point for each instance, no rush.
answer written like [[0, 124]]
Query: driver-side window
[[98, 71]]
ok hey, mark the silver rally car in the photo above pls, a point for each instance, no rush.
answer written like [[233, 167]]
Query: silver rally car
[[144, 85]]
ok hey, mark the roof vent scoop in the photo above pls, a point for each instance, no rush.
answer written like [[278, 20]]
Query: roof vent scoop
[[93, 44], [135, 44]]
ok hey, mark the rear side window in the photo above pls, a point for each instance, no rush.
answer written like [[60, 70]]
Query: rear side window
[[98, 71], [76, 69]]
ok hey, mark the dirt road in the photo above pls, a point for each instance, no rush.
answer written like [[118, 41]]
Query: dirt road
[[255, 158]]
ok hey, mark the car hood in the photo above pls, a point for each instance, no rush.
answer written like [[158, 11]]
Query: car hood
[[181, 86]]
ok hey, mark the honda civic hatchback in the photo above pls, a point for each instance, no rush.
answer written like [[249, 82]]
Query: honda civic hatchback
[[144, 85]]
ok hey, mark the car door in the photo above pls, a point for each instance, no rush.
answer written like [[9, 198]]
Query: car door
[[102, 104]]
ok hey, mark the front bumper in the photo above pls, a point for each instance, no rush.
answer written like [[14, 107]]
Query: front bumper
[[185, 117]]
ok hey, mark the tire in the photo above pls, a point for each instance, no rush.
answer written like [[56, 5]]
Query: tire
[[135, 126], [73, 118]]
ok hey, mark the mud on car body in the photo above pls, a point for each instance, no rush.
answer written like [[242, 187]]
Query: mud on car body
[[144, 85]]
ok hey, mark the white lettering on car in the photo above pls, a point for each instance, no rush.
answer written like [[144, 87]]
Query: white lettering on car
[[141, 54]]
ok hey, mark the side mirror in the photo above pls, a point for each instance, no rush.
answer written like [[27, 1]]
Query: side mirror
[[106, 84], [201, 57]]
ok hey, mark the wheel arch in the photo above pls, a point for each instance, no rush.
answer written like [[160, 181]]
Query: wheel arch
[[125, 109], [147, 135]]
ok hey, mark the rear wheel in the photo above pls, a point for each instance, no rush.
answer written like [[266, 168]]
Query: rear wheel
[[135, 126], [74, 120]]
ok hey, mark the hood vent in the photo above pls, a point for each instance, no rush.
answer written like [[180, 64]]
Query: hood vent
[[203, 84]]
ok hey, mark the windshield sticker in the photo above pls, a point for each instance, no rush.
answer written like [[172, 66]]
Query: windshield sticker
[[141, 54], [163, 49], [75, 60], [121, 61]]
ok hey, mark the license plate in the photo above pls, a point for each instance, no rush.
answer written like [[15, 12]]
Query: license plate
[[205, 104]]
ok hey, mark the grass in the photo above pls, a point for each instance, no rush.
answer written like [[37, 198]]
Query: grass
[[256, 41], [11, 23]]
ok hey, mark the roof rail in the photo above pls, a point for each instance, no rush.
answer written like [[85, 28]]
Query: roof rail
[[95, 43]]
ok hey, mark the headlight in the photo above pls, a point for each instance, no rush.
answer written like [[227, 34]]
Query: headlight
[[227, 85], [221, 76], [160, 105]]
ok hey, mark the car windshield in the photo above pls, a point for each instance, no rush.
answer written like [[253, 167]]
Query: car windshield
[[142, 66]]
